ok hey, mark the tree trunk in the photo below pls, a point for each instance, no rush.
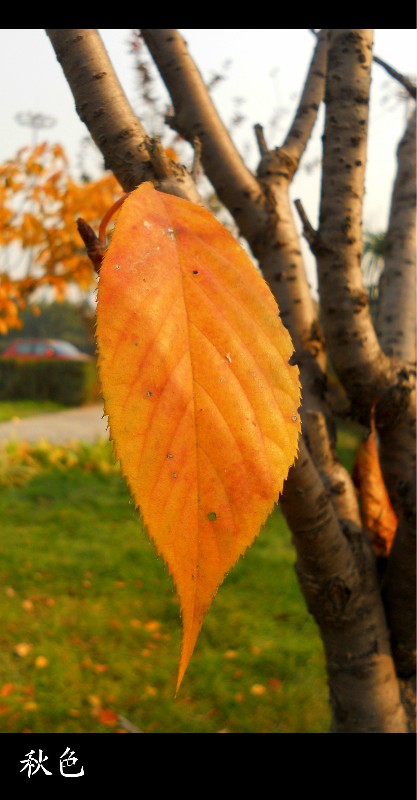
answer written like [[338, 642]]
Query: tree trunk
[[335, 566]]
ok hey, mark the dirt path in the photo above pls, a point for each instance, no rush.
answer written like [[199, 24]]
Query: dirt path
[[85, 424]]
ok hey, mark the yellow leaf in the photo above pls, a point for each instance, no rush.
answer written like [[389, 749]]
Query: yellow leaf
[[202, 403], [257, 689], [23, 649], [41, 662], [152, 625], [94, 700]]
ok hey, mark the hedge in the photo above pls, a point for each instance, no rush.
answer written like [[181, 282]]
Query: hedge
[[70, 382]]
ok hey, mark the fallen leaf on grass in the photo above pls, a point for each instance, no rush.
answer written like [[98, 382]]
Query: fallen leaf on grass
[[107, 717], [6, 689], [152, 625], [22, 649], [257, 689]]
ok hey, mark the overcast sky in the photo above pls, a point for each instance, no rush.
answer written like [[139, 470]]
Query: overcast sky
[[267, 71]]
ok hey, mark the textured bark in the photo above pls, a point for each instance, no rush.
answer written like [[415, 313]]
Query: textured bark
[[311, 98], [336, 480], [396, 328], [400, 587], [368, 374], [346, 603], [103, 106], [397, 290], [361, 365]]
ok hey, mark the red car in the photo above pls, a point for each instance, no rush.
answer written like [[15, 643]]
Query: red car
[[44, 348]]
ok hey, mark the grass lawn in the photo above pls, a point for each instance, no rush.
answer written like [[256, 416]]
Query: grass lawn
[[27, 408], [90, 619]]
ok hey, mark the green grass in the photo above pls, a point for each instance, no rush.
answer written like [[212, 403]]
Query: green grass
[[27, 408], [91, 627]]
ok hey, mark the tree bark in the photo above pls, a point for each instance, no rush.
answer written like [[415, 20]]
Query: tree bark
[[396, 318], [396, 328], [103, 106], [361, 365], [346, 603]]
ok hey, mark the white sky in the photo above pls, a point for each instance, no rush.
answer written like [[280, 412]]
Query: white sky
[[267, 70]]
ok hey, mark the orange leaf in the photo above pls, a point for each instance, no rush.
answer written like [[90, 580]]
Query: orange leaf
[[107, 717], [6, 689], [378, 515], [202, 404]]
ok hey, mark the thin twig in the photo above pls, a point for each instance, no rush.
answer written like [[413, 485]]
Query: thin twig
[[402, 79], [310, 234], [260, 138], [95, 247], [160, 161], [197, 157]]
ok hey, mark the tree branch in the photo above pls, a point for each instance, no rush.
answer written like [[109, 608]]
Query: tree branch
[[196, 115], [260, 139], [102, 105], [396, 328], [312, 95], [310, 234], [365, 371], [400, 585], [397, 299], [402, 79]]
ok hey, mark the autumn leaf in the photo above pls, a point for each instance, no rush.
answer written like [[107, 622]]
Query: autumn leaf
[[379, 517], [39, 204], [107, 717], [201, 400], [22, 649]]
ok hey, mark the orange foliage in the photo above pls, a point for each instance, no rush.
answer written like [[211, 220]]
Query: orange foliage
[[378, 515], [40, 245], [172, 154], [202, 403]]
